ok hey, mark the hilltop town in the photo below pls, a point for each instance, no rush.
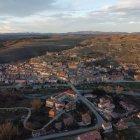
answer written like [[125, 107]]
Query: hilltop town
[[69, 69], [68, 93]]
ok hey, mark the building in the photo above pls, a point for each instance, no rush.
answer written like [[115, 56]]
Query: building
[[70, 106], [20, 81], [126, 106], [93, 135], [37, 133], [59, 105], [52, 113], [107, 126], [107, 116], [114, 115], [137, 77], [50, 103], [106, 105], [86, 119], [70, 93], [72, 66], [121, 125], [138, 115]]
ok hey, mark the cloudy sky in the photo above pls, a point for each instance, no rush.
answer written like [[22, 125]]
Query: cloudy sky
[[69, 15]]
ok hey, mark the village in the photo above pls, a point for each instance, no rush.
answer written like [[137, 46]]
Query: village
[[72, 110], [44, 71]]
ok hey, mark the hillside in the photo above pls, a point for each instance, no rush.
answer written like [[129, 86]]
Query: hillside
[[122, 48], [12, 50]]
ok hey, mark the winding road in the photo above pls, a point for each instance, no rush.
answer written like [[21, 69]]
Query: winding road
[[27, 117], [89, 105]]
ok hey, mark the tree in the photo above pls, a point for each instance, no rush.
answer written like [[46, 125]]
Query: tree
[[9, 132], [36, 104]]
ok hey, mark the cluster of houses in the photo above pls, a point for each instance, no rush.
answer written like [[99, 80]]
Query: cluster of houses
[[66, 101], [92, 135], [68, 121], [128, 107], [41, 71], [106, 106]]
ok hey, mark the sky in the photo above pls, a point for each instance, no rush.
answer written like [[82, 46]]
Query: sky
[[57, 16]]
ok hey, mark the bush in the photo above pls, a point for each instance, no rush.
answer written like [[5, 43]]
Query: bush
[[9, 132]]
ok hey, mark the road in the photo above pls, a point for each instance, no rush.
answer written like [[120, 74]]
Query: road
[[52, 120], [63, 134], [27, 117], [65, 85], [26, 86], [91, 106], [100, 120], [88, 104], [136, 94]]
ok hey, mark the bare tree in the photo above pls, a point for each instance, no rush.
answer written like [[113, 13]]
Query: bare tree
[[9, 132], [36, 104]]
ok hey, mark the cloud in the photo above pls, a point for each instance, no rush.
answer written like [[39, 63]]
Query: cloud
[[24, 7], [125, 8], [57, 16]]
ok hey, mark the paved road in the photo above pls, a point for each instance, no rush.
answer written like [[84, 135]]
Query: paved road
[[74, 132], [63, 134], [52, 120], [136, 94], [27, 117], [24, 86], [60, 85], [89, 104]]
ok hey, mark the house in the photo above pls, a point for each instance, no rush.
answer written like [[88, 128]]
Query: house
[[107, 126], [70, 106], [106, 105], [70, 93], [138, 115], [52, 113], [116, 77], [37, 133], [21, 82], [137, 77], [114, 115], [109, 107], [107, 116], [50, 103], [86, 119], [93, 135], [59, 105], [90, 95], [127, 106], [121, 125], [72, 66]]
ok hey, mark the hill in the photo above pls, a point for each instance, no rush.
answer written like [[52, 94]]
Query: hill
[[21, 47], [120, 47]]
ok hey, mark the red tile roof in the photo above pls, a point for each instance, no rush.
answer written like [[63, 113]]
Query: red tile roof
[[69, 92]]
